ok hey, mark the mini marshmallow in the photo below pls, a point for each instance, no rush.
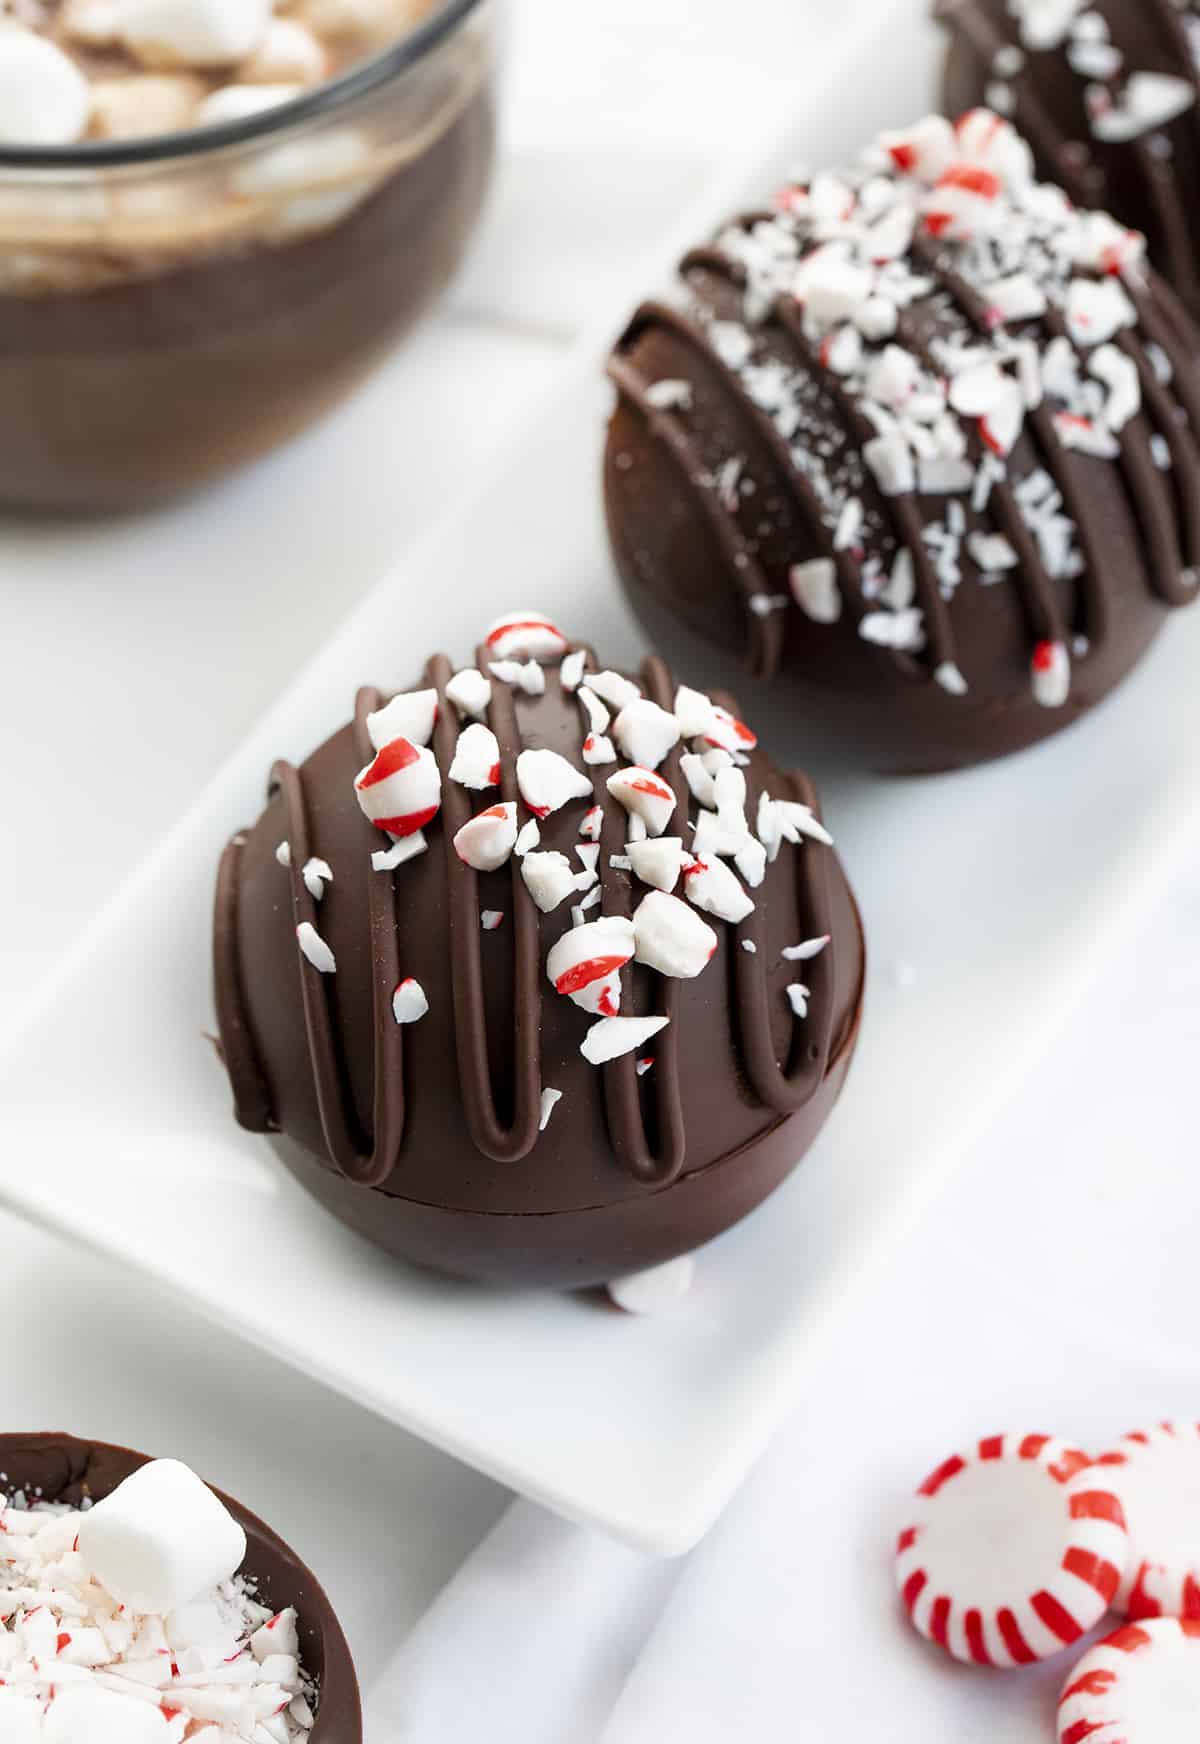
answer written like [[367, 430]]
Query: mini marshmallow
[[615, 690], [201, 33], [401, 791], [44, 98], [524, 675], [550, 1099], [470, 692], [288, 54], [526, 635], [487, 840], [598, 748], [713, 887], [658, 862], [693, 711], [645, 794], [592, 823], [160, 1539], [670, 937], [409, 1003], [476, 758], [645, 732], [659, 1287], [315, 949], [547, 781], [614, 1036], [528, 837], [317, 874], [407, 848], [570, 673], [87, 1714], [142, 104], [94, 22], [586, 963], [233, 103], [548, 879], [409, 716]]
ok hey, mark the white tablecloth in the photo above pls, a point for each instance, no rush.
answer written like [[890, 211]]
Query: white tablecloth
[[1052, 1290]]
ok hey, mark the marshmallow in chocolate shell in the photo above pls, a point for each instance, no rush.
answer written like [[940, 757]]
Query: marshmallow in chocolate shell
[[538, 1049], [935, 463]]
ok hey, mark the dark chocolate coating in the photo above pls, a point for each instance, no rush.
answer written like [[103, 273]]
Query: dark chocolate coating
[[1150, 188], [425, 1138], [685, 554], [61, 1468]]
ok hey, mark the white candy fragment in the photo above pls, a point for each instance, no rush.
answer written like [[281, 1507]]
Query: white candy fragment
[[401, 791], [470, 692], [693, 712], [924, 151], [586, 963], [614, 1036], [160, 1539], [598, 748], [792, 820], [592, 823], [410, 716], [645, 732], [315, 949], [698, 778], [615, 690], [283, 853], [804, 952], [528, 837], [548, 879], [1148, 101], [409, 1003], [491, 918], [526, 636], [44, 98], [658, 862], [670, 937], [713, 887], [1097, 310], [550, 1098], [1050, 672], [645, 795], [476, 758], [487, 840], [598, 716], [279, 1635], [201, 33], [798, 997], [526, 675], [89, 1714], [570, 673], [407, 848], [650, 1292], [589, 856], [288, 54], [547, 781], [317, 874], [669, 394]]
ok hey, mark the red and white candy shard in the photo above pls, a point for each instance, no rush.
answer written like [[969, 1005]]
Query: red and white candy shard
[[586, 963], [491, 918], [526, 636], [1015, 1549], [1051, 674], [713, 887], [652, 1291], [615, 689], [614, 1036], [598, 748], [409, 1003], [470, 692], [1141, 1685], [645, 732], [315, 949], [548, 879], [728, 733], [592, 823], [1155, 1475], [670, 937], [476, 758], [410, 716], [658, 862], [547, 781], [407, 848], [487, 840], [644, 794], [401, 791]]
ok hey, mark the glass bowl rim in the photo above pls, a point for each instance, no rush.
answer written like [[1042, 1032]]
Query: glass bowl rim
[[322, 101]]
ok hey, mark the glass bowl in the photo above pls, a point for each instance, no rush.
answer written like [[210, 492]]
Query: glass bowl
[[173, 307]]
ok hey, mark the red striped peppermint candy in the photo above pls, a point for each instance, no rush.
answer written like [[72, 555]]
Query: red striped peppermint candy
[[526, 635], [401, 791], [1140, 1686], [1155, 1475], [1015, 1550]]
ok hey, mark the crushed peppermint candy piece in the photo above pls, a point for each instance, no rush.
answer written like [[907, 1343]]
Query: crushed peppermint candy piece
[[645, 732], [728, 733], [598, 748], [669, 394], [670, 937], [525, 635], [315, 949], [589, 857], [470, 692], [528, 837], [798, 998], [592, 823], [409, 1003], [491, 918], [407, 848], [283, 853], [410, 716], [548, 878], [487, 840], [644, 1065], [598, 716], [1148, 101], [713, 887], [803, 953], [550, 1098], [570, 673], [693, 711], [1051, 674], [547, 781], [586, 963], [698, 778], [401, 791], [523, 675], [316, 874], [657, 861], [644, 794], [612, 688], [614, 1036], [476, 758]]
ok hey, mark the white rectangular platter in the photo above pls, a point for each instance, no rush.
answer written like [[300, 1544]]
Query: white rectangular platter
[[993, 900]]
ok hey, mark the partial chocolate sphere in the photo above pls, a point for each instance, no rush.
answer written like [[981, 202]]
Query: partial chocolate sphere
[[62, 1468], [921, 439], [414, 1037], [1107, 96]]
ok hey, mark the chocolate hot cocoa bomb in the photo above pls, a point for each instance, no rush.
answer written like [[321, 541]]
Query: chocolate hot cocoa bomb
[[1108, 96], [539, 973], [921, 438]]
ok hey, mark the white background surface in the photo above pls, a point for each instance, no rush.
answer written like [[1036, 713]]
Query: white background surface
[[1052, 1290]]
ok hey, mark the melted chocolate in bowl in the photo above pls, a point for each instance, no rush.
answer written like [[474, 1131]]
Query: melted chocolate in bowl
[[64, 1469], [162, 332]]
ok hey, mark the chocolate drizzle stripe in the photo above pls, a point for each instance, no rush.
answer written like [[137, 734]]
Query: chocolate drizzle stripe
[[1185, 455], [499, 1142], [748, 574], [1162, 186], [252, 1098]]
